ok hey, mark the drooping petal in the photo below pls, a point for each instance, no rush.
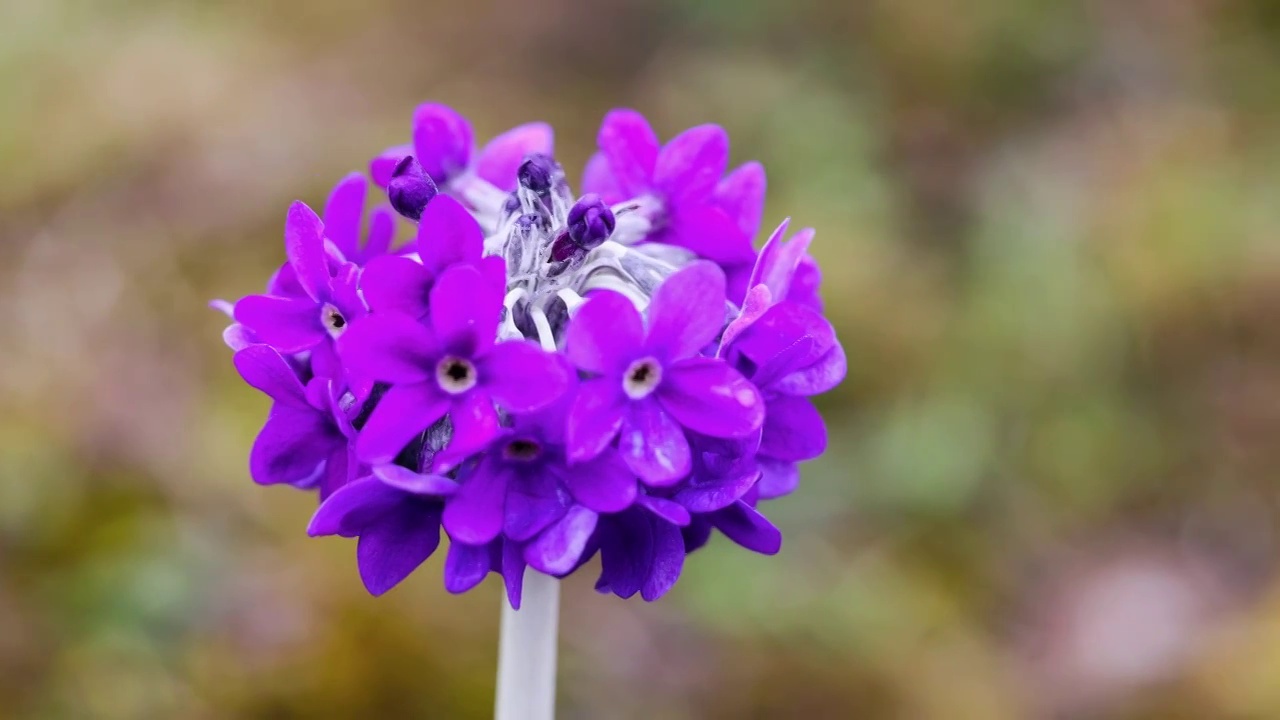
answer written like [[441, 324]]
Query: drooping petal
[[442, 141], [501, 157], [534, 501], [344, 214], [289, 325], [745, 526], [594, 418], [707, 231], [697, 533], [391, 549], [389, 347], [384, 164], [474, 514], [777, 478], [818, 377], [741, 195], [598, 178], [689, 166], [558, 549], [606, 334], [604, 484], [687, 312], [667, 560], [669, 510], [238, 337], [475, 425], [653, 444], [710, 494], [408, 481], [448, 235], [626, 553], [629, 144], [304, 244], [708, 396], [465, 566], [793, 429], [402, 413], [265, 369], [465, 311], [513, 566], [291, 447], [339, 469], [353, 507], [394, 284], [523, 377]]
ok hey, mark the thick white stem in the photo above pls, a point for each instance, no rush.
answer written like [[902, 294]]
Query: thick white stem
[[527, 652]]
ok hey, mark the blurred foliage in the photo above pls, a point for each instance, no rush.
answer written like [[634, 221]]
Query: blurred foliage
[[1051, 248]]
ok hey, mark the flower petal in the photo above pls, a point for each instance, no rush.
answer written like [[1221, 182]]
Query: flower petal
[[474, 514], [513, 566], [408, 481], [339, 470], [523, 377], [793, 429], [265, 369], [465, 311], [605, 334], [384, 164], [557, 550], [304, 244], [687, 312], [777, 478], [631, 148], [820, 376], [291, 447], [626, 553], [534, 502], [708, 495], [668, 510], [757, 301], [391, 549], [690, 165], [442, 141], [475, 425], [353, 507], [382, 231], [465, 566], [389, 347], [742, 524], [667, 560], [708, 396], [448, 235], [707, 231], [779, 260], [598, 178], [741, 195], [344, 214], [289, 325], [653, 444], [604, 484], [391, 283], [400, 416], [501, 157], [594, 418]]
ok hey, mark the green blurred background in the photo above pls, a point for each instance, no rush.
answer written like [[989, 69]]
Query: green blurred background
[[1050, 234]]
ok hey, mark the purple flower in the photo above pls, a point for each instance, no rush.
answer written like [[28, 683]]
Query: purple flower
[[452, 367], [344, 217], [642, 549], [692, 211], [396, 515], [443, 143], [447, 236], [315, 319], [305, 442], [649, 386]]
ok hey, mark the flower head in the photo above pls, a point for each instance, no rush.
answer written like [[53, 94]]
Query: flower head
[[544, 377]]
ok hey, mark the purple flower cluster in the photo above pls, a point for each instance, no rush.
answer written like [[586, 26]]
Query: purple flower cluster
[[546, 377]]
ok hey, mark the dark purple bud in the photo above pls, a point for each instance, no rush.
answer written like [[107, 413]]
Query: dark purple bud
[[512, 205], [591, 222], [410, 189], [537, 173]]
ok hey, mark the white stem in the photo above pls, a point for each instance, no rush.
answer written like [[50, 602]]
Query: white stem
[[527, 652]]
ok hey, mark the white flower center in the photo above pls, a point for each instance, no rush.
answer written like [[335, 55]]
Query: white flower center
[[641, 378], [456, 375]]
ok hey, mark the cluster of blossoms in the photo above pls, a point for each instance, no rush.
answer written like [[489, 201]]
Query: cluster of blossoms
[[546, 377]]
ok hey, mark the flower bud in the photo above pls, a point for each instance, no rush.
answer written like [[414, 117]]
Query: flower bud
[[537, 173], [410, 189]]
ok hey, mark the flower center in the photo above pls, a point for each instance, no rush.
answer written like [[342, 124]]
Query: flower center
[[333, 320], [456, 375], [522, 450], [642, 378]]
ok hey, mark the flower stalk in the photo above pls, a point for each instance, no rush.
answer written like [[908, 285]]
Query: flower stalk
[[527, 652]]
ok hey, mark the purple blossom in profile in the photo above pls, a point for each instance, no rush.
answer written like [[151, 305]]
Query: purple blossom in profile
[[648, 385], [547, 378]]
